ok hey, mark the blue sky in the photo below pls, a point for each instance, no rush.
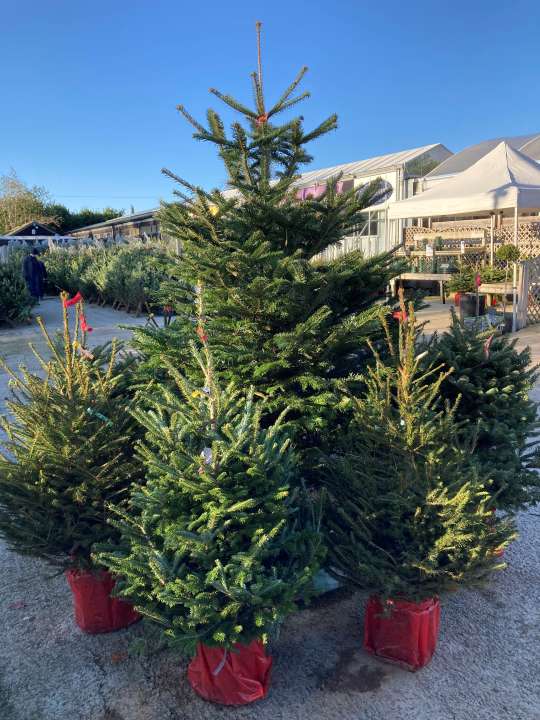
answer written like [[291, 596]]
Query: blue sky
[[89, 89]]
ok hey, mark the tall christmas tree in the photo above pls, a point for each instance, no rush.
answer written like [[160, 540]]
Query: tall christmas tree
[[69, 448], [215, 546], [492, 380], [410, 515], [280, 318]]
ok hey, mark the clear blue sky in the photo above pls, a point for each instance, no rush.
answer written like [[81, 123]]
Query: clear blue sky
[[89, 89]]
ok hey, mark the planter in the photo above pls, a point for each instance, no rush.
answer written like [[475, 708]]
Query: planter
[[401, 632], [467, 305], [231, 677], [457, 298], [95, 610]]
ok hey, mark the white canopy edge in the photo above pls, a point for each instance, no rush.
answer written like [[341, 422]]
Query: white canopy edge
[[503, 179]]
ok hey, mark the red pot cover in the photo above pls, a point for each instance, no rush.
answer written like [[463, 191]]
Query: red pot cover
[[457, 298], [407, 635], [95, 610], [231, 677]]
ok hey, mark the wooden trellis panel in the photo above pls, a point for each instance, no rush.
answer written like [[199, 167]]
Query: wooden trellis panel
[[528, 236], [528, 310], [460, 231]]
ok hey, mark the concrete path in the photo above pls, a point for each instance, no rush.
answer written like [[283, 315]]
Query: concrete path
[[14, 342], [485, 667]]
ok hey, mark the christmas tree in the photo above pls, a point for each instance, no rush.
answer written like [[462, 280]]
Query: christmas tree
[[69, 448], [410, 516], [280, 318], [216, 549], [492, 380]]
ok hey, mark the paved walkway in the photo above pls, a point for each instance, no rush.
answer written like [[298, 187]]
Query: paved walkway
[[14, 342], [485, 667]]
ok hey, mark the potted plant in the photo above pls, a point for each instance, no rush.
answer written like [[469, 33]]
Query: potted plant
[[407, 509], [461, 282], [68, 452], [213, 548], [491, 274]]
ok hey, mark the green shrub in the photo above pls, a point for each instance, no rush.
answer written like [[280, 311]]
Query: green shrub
[[492, 381], [66, 269], [128, 276], [491, 274], [462, 281], [507, 253], [16, 303]]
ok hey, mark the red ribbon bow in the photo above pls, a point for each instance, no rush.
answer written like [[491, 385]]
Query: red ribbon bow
[[203, 337], [85, 327], [74, 300], [399, 315]]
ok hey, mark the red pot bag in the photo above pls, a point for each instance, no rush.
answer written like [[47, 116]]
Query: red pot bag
[[95, 610], [231, 677], [402, 632]]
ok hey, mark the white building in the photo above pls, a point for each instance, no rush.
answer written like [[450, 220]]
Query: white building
[[401, 173]]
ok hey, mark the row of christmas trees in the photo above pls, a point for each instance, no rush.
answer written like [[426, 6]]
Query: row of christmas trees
[[285, 421]]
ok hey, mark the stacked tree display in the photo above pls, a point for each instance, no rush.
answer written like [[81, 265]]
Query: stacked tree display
[[215, 547], [279, 318], [492, 381], [409, 510], [68, 452]]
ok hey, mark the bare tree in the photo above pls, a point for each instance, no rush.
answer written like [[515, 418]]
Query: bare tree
[[20, 203]]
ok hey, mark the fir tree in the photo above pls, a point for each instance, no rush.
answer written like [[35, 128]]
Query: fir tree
[[409, 516], [215, 547], [492, 380], [69, 449], [279, 318]]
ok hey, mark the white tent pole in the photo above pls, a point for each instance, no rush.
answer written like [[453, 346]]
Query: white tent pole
[[514, 273], [514, 296], [492, 240]]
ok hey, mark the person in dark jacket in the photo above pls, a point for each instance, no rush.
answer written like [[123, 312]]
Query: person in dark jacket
[[32, 274], [42, 278]]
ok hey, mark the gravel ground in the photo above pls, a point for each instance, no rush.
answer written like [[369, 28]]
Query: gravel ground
[[485, 667]]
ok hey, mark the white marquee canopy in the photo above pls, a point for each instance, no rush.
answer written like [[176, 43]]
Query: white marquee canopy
[[503, 179]]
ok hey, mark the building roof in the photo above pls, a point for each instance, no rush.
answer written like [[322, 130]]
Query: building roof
[[29, 225], [370, 166], [528, 144], [120, 220]]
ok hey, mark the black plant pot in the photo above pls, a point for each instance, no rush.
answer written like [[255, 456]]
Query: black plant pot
[[467, 305]]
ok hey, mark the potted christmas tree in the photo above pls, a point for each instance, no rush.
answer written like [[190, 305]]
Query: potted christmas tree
[[214, 547], [408, 510], [68, 452], [460, 283], [492, 380]]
